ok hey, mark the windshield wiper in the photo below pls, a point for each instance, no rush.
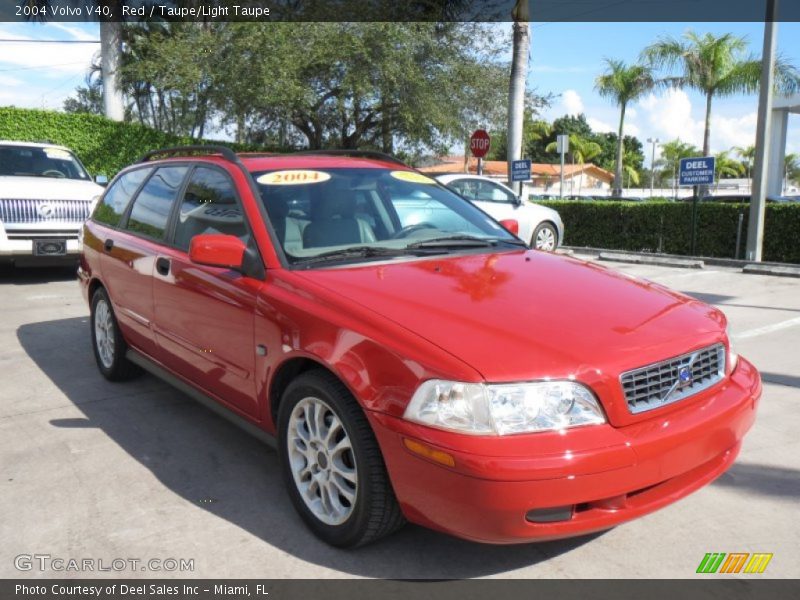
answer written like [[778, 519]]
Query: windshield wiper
[[463, 241], [358, 252]]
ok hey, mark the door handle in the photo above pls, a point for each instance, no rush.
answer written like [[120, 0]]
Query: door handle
[[108, 245], [162, 265]]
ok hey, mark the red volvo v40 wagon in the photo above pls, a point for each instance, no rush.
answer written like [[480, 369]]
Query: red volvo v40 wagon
[[410, 358]]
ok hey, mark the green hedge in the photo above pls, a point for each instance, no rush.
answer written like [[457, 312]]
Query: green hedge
[[104, 146], [664, 226]]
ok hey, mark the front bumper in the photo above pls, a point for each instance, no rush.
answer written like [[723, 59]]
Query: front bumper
[[19, 249], [603, 475]]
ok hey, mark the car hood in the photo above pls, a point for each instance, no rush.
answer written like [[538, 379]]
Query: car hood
[[47, 188], [525, 315]]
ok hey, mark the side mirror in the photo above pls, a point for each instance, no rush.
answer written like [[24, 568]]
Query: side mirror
[[217, 250], [518, 200], [101, 180], [511, 225]]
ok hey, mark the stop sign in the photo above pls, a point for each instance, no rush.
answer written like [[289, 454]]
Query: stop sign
[[479, 143]]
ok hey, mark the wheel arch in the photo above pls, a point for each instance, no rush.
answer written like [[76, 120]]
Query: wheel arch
[[287, 372], [546, 221]]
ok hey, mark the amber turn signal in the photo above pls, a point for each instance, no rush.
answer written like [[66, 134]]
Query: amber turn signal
[[433, 454]]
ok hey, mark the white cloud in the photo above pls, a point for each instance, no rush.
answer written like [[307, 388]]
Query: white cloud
[[42, 75], [672, 116], [46, 60], [572, 103], [727, 132], [601, 126]]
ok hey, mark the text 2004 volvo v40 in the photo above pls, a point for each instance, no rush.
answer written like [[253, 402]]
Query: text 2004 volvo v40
[[411, 358]]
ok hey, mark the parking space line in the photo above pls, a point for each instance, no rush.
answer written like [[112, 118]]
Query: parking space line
[[767, 329]]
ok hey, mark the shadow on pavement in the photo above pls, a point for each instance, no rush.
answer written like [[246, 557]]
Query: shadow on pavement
[[208, 461], [34, 275], [709, 298], [781, 379], [762, 479]]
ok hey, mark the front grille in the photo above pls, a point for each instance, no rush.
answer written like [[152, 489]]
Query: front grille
[[43, 211], [673, 379]]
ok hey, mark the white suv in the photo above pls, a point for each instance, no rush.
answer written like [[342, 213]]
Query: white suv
[[539, 226], [45, 196]]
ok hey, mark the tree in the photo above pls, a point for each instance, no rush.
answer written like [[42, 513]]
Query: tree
[[517, 81], [728, 167], [581, 151], [671, 154], [623, 84], [748, 156], [714, 66], [536, 148], [791, 169]]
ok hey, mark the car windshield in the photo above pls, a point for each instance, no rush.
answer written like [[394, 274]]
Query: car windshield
[[329, 215], [34, 161]]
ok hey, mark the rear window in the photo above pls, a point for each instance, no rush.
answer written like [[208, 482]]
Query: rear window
[[151, 208], [114, 202]]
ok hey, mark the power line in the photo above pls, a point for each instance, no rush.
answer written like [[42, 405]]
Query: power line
[[42, 67], [13, 41]]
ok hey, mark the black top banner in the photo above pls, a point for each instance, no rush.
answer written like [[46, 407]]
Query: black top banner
[[401, 10]]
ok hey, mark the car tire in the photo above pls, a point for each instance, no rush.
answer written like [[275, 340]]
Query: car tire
[[332, 465], [545, 237], [107, 342]]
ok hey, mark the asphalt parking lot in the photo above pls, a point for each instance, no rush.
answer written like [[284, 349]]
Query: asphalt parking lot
[[104, 471]]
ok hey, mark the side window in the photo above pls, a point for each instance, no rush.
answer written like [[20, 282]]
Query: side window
[[209, 206], [466, 188], [110, 209], [491, 192], [152, 205]]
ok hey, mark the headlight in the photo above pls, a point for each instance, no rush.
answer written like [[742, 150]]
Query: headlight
[[502, 409], [733, 357]]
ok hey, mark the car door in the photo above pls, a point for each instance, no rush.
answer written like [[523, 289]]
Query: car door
[[496, 200], [137, 207], [204, 316]]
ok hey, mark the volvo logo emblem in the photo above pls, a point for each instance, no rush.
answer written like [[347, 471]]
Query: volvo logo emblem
[[685, 376], [45, 210]]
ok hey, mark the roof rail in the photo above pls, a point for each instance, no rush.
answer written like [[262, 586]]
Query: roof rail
[[226, 152], [374, 154]]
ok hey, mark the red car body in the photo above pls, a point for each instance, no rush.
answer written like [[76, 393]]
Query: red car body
[[384, 328]]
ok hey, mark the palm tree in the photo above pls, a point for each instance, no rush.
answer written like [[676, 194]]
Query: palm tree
[[516, 84], [727, 166], [714, 66], [623, 84], [791, 169], [748, 156], [581, 150], [628, 167], [671, 155]]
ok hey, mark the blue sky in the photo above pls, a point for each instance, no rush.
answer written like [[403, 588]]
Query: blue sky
[[565, 59]]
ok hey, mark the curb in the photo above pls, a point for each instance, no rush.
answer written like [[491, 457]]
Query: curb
[[707, 260], [664, 261], [777, 271]]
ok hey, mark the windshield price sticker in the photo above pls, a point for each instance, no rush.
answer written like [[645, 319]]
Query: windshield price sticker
[[293, 177], [412, 177], [56, 153]]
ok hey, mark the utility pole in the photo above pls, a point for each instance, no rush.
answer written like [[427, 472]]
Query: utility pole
[[755, 223]]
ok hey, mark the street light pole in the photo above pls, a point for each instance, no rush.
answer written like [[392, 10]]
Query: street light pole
[[653, 141]]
